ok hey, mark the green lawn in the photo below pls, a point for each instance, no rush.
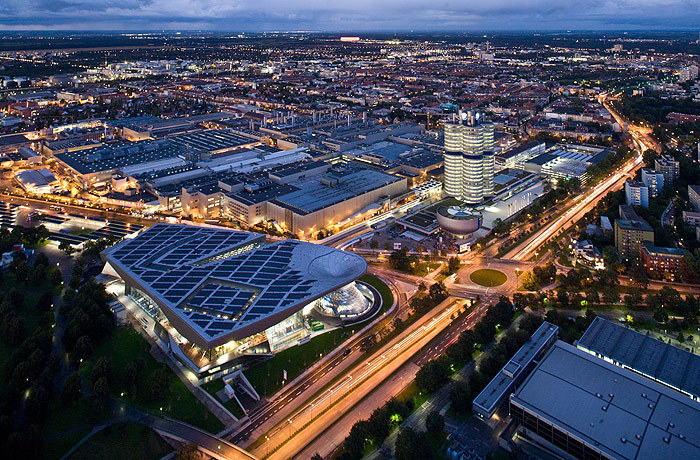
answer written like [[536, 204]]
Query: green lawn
[[66, 425], [425, 268], [564, 260], [488, 277], [266, 377], [127, 441], [122, 347]]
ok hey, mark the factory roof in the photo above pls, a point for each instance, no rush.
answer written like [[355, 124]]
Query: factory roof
[[322, 191], [211, 140], [620, 413], [665, 363], [217, 285], [115, 156]]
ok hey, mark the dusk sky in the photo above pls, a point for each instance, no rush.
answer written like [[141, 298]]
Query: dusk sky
[[348, 15]]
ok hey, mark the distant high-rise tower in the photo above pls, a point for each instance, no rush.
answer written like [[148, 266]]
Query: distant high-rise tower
[[469, 160]]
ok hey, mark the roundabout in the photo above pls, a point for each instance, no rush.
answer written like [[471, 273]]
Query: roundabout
[[488, 277]]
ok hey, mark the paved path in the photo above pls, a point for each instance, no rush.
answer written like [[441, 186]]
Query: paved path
[[206, 442]]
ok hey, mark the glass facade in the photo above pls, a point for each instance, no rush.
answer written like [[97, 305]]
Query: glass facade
[[350, 300], [552, 435]]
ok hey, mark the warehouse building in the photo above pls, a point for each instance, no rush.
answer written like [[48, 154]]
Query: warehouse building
[[671, 366], [576, 405]]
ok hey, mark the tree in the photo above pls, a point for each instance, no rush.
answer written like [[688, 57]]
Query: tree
[[546, 274], [460, 397], [411, 444], [83, 348], [15, 297], [422, 287], [374, 244], [610, 295], [102, 369], [368, 343], [634, 299], [401, 260], [649, 156], [437, 292], [378, 424], [72, 388], [45, 301], [66, 247], [453, 265], [100, 394], [660, 315], [54, 276], [38, 275], [132, 373], [13, 330], [158, 384], [529, 281], [41, 259], [21, 272], [432, 375], [434, 422], [188, 451]]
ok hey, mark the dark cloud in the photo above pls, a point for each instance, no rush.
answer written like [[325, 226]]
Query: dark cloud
[[259, 15]]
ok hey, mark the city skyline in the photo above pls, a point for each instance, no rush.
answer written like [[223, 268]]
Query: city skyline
[[415, 15]]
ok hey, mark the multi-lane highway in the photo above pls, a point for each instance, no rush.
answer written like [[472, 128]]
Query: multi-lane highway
[[265, 416], [303, 426], [586, 201], [334, 435]]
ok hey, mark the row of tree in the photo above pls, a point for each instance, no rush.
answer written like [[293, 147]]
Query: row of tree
[[464, 392], [30, 370], [375, 429], [435, 373]]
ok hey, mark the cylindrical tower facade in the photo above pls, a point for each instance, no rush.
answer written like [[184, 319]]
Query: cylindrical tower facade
[[453, 159]]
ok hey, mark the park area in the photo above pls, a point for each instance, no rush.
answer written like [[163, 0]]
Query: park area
[[488, 278], [125, 440], [173, 399]]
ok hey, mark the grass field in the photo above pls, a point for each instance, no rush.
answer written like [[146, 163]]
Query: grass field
[[125, 345], [66, 425], [123, 441], [488, 277], [266, 377]]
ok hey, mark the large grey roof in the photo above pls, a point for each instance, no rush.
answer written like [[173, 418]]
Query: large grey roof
[[670, 365], [619, 412], [225, 284]]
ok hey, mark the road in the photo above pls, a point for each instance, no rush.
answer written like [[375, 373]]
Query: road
[[326, 443], [265, 416], [294, 434], [587, 201]]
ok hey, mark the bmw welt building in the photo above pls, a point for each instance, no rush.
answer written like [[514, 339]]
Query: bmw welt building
[[217, 295]]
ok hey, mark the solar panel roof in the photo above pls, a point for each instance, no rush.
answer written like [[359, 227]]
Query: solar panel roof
[[223, 283]]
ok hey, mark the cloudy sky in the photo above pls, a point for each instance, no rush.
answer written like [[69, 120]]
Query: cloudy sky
[[348, 15]]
